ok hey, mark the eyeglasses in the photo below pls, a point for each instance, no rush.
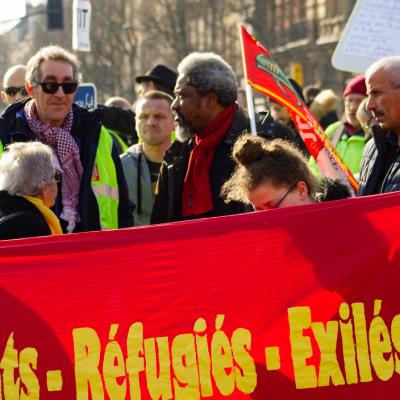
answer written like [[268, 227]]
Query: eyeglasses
[[13, 90], [276, 205], [52, 87]]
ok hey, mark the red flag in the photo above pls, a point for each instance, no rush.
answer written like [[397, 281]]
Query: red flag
[[265, 75]]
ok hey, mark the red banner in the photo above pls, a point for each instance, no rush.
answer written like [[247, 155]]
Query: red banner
[[265, 75], [294, 303]]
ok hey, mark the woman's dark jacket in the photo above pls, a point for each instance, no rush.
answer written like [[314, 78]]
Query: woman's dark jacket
[[19, 218]]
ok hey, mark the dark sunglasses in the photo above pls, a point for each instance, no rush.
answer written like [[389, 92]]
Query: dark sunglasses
[[52, 87], [13, 90]]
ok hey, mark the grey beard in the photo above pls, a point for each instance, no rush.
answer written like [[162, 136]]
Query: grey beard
[[183, 132]]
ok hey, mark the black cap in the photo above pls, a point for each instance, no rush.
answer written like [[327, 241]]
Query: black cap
[[160, 74]]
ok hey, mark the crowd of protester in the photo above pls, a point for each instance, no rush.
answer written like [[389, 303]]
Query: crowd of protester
[[181, 151]]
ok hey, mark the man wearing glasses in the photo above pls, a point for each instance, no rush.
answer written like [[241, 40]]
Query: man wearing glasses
[[347, 135], [93, 193], [14, 85]]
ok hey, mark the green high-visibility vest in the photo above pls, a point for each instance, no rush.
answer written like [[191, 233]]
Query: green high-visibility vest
[[121, 141], [104, 182]]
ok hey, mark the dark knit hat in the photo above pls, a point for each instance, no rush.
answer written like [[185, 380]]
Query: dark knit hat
[[160, 74], [356, 85]]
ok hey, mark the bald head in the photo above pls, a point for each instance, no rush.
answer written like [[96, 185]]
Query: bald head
[[120, 102], [14, 84]]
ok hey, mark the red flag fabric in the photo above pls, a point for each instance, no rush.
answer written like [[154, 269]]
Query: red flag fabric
[[265, 75], [293, 303]]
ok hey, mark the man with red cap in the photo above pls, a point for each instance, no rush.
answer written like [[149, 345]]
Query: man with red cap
[[347, 135]]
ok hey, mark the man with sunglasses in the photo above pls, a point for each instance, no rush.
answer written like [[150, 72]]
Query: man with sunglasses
[[14, 85], [93, 193]]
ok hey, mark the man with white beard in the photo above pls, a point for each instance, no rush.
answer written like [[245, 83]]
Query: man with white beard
[[208, 123]]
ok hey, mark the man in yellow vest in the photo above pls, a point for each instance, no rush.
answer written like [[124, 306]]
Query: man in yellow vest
[[92, 193], [347, 135]]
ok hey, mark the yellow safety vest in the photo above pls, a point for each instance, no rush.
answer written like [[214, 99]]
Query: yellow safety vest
[[121, 141], [104, 182]]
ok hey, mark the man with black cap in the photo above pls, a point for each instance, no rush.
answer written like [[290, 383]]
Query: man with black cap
[[159, 78]]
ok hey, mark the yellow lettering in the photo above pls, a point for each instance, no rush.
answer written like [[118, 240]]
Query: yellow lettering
[[186, 383], [349, 353], [135, 359], [87, 357], [222, 360], [395, 333], [8, 363], [305, 375], [114, 368], [158, 369], [203, 358], [380, 344], [245, 372], [327, 340], [27, 363], [360, 333]]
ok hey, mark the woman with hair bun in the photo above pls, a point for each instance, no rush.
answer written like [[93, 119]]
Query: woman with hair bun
[[275, 174]]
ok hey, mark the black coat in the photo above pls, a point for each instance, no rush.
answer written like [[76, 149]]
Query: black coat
[[380, 164], [168, 201], [19, 218]]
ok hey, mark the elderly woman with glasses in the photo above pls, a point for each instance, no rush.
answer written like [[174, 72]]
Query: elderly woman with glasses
[[275, 174], [28, 188]]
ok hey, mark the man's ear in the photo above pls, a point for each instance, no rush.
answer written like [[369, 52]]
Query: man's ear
[[212, 99], [29, 88], [3, 96]]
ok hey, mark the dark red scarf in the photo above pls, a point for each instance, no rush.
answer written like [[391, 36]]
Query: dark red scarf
[[197, 196]]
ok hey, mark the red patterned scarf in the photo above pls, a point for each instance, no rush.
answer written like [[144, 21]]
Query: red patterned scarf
[[64, 145], [197, 196]]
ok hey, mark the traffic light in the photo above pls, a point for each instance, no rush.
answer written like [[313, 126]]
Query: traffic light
[[55, 18]]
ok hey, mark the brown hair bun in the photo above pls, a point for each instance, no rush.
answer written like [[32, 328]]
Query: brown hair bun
[[248, 149]]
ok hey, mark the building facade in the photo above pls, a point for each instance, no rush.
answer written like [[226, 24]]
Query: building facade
[[302, 36]]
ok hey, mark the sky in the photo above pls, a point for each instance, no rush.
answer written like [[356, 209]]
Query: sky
[[11, 11]]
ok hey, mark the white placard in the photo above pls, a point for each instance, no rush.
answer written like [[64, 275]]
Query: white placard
[[81, 14], [372, 32]]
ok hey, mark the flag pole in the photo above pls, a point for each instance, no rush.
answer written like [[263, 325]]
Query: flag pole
[[249, 90], [250, 109]]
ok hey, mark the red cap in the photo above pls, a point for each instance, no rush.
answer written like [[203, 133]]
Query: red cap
[[356, 85]]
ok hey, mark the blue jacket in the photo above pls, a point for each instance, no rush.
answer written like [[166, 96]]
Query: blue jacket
[[85, 130]]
